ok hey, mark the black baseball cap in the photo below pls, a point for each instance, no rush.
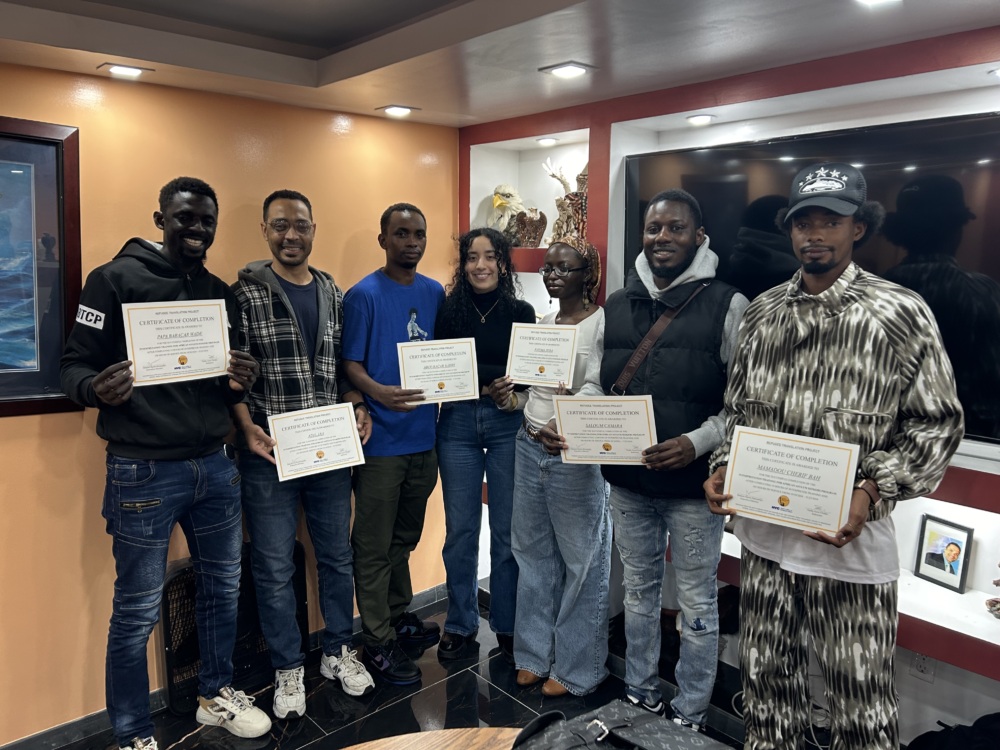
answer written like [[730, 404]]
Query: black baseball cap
[[834, 186]]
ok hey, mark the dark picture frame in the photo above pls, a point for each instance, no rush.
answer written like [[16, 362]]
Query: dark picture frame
[[935, 550], [40, 274]]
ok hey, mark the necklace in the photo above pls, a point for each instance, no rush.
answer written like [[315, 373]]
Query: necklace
[[482, 315]]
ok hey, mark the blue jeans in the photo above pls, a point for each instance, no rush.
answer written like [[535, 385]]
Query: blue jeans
[[143, 499], [272, 512], [473, 436], [641, 527], [562, 541]]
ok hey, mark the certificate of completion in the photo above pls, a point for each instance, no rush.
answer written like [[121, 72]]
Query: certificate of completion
[[802, 482], [613, 430], [444, 370], [311, 441], [173, 341], [542, 355]]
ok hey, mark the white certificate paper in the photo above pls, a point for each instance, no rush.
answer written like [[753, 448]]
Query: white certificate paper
[[169, 342], [542, 355], [802, 482], [612, 430], [444, 370], [311, 441]]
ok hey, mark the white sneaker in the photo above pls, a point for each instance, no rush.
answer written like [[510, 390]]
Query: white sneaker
[[687, 724], [289, 693], [139, 744], [348, 671], [233, 710]]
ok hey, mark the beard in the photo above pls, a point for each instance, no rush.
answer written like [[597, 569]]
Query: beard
[[666, 272], [818, 267]]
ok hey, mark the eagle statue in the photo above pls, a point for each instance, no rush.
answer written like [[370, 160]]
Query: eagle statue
[[507, 204]]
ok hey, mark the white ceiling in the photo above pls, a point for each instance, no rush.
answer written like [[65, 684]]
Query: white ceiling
[[460, 62]]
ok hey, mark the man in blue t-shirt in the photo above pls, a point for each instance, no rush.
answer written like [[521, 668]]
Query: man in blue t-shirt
[[392, 305]]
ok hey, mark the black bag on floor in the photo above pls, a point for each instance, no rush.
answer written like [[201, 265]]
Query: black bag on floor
[[616, 725], [984, 734]]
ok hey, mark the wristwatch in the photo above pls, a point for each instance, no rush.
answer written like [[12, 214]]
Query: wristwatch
[[359, 404], [870, 487]]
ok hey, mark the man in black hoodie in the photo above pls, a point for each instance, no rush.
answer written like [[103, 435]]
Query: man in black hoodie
[[167, 464]]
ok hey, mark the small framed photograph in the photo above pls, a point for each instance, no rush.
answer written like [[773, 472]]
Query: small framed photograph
[[943, 552]]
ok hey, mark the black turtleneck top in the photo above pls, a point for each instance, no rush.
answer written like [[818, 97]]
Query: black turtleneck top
[[492, 336]]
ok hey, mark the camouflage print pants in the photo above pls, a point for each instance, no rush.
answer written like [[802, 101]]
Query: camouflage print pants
[[851, 626]]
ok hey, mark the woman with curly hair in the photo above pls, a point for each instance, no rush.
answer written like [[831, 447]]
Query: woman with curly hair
[[473, 436], [561, 532]]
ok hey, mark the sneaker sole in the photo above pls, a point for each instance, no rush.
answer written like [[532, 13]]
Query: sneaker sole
[[425, 640], [211, 720], [374, 671], [289, 714], [343, 686]]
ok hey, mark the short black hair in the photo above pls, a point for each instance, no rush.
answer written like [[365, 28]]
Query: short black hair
[[953, 544], [287, 195], [679, 196], [872, 213], [384, 221], [186, 185]]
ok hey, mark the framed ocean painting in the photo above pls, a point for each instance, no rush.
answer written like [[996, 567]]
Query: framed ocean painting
[[39, 261]]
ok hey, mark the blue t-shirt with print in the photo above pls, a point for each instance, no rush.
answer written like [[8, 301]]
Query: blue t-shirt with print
[[378, 314]]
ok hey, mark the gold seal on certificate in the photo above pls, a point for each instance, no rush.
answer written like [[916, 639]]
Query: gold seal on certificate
[[173, 341], [444, 370], [542, 355], [802, 482], [612, 430], [311, 441]]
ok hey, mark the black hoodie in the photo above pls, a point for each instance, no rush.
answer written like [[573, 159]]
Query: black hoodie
[[172, 421]]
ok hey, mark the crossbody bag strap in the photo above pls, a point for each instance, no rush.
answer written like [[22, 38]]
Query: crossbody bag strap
[[646, 345]]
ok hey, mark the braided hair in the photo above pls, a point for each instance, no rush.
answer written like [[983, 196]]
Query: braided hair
[[590, 256]]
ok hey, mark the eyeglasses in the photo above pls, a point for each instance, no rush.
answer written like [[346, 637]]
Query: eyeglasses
[[559, 271], [283, 225]]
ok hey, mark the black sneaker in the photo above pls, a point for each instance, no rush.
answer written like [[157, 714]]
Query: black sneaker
[[455, 646], [412, 630], [654, 708], [506, 644], [391, 663]]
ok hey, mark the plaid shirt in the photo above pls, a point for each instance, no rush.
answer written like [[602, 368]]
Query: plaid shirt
[[287, 382]]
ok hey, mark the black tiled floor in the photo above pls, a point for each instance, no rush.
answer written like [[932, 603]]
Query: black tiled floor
[[474, 692]]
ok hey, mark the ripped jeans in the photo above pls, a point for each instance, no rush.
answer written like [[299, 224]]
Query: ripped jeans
[[641, 526]]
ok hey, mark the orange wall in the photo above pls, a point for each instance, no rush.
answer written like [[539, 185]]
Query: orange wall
[[56, 570]]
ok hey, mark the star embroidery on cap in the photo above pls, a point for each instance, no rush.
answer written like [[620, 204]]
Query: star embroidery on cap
[[821, 172], [835, 173]]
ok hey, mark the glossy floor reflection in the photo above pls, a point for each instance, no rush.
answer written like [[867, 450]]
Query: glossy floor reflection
[[479, 691]]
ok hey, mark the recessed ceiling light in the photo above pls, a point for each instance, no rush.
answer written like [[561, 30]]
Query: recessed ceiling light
[[547, 141], [786, 158], [397, 110], [984, 161], [123, 71], [700, 119], [873, 3], [910, 168], [568, 69], [17, 171]]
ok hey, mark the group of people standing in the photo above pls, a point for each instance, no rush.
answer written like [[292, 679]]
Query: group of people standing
[[673, 332]]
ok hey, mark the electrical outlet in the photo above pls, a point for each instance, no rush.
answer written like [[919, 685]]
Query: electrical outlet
[[923, 667]]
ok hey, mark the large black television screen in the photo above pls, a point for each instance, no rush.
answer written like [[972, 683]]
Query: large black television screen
[[939, 181]]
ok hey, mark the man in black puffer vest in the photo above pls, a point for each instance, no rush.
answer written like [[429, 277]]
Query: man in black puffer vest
[[685, 372]]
